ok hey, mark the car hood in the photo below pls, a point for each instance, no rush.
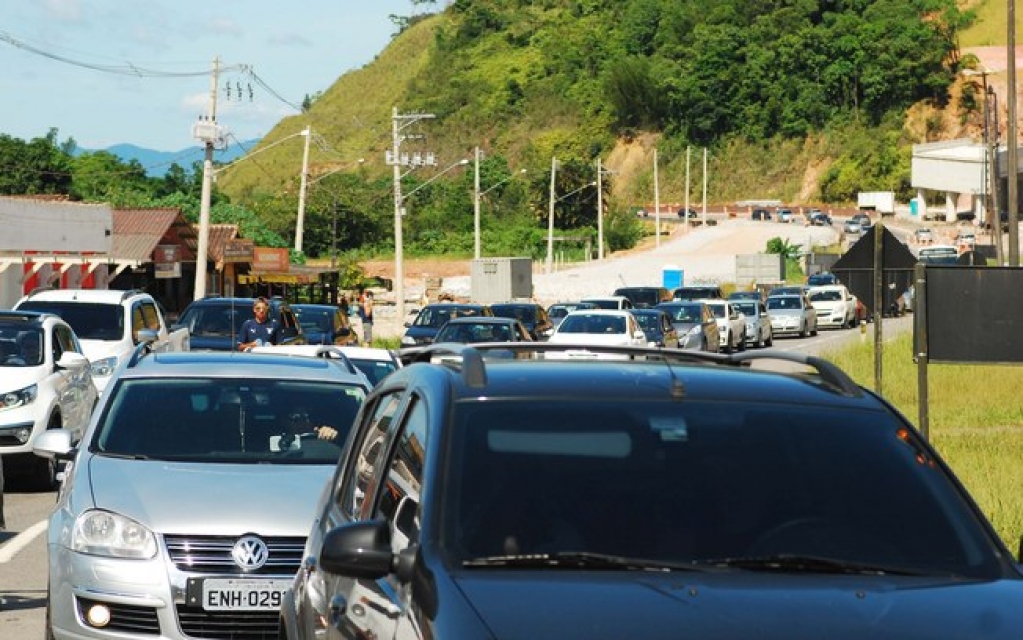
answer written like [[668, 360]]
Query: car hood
[[786, 313], [208, 499], [98, 349], [741, 605]]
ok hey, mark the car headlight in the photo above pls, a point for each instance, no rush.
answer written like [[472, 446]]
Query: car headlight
[[102, 533], [104, 367], [19, 398], [408, 341]]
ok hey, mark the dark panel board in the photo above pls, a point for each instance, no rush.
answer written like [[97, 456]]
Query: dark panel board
[[972, 315]]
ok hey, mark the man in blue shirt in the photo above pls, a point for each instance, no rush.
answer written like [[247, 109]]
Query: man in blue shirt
[[258, 331]]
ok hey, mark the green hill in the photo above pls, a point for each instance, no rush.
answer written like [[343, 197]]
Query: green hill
[[797, 101]]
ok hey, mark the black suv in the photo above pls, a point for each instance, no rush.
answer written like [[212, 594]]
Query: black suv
[[214, 322], [532, 315], [644, 297], [484, 496]]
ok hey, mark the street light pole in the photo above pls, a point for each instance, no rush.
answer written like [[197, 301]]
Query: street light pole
[[657, 204], [1012, 204], [600, 211], [300, 221]]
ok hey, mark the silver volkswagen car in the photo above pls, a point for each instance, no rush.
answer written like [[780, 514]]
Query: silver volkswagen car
[[185, 508]]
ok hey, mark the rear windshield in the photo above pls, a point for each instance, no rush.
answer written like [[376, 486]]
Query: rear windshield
[[695, 481], [243, 421], [90, 320], [216, 319]]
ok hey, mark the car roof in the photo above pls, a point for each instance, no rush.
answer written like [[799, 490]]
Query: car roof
[[26, 316], [107, 296], [472, 374], [358, 353], [236, 364], [602, 312]]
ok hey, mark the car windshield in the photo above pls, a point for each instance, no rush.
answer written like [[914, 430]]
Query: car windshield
[[375, 370], [525, 313], [718, 310], [825, 296], [592, 323], [315, 320], [684, 313], [475, 332], [747, 308], [649, 321], [691, 482], [216, 319], [436, 317], [90, 320], [20, 345], [604, 303], [784, 302], [226, 420]]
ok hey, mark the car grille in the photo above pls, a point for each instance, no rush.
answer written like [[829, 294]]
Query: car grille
[[125, 618], [228, 625], [212, 554]]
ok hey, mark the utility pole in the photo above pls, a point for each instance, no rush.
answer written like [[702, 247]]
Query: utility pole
[[657, 204], [600, 211], [705, 187], [397, 160], [1013, 142], [210, 134], [550, 220], [688, 149], [476, 205], [300, 223]]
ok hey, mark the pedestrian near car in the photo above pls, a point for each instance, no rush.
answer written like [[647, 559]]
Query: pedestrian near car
[[367, 317], [259, 330]]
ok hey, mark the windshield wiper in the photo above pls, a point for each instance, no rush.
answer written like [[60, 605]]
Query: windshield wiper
[[125, 456], [579, 560], [787, 563]]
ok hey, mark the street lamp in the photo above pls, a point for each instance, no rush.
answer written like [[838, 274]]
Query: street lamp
[[477, 196], [550, 221], [399, 267]]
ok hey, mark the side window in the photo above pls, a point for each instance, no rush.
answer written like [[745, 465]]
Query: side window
[[363, 474], [137, 322], [400, 503], [63, 340], [150, 316]]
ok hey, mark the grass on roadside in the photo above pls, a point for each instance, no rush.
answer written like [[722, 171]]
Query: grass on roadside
[[975, 421]]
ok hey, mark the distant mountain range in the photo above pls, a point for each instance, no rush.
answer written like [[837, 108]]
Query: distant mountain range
[[157, 162]]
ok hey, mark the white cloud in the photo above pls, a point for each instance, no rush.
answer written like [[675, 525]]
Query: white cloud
[[64, 10]]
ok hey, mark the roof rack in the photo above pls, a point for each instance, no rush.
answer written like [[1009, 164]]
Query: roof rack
[[474, 369], [331, 352]]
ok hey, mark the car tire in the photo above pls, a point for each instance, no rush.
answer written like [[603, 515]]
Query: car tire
[[728, 342], [741, 345], [761, 342], [813, 331]]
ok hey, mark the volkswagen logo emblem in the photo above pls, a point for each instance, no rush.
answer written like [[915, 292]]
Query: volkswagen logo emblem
[[250, 553]]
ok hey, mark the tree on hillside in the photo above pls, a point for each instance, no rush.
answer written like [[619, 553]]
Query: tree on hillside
[[37, 167]]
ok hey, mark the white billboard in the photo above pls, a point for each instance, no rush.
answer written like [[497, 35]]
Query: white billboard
[[64, 227]]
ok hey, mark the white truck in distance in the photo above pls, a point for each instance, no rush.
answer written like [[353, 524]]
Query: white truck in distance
[[109, 324], [835, 306]]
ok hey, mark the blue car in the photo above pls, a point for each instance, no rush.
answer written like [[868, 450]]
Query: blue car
[[325, 324]]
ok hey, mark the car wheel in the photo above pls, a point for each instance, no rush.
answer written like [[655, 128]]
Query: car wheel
[[741, 345], [813, 331]]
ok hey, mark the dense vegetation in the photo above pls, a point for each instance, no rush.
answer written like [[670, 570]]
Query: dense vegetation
[[764, 85]]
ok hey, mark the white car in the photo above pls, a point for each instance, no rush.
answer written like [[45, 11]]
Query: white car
[[375, 363], [597, 327], [731, 324], [45, 383], [610, 302], [835, 306], [758, 322], [110, 324]]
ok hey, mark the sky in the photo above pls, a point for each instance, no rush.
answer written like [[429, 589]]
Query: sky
[[67, 64]]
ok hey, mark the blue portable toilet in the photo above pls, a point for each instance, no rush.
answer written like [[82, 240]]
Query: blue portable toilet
[[673, 277]]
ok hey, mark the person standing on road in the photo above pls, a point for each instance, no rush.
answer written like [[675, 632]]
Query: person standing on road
[[367, 318], [260, 330]]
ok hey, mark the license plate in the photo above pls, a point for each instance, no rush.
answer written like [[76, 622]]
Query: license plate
[[233, 594]]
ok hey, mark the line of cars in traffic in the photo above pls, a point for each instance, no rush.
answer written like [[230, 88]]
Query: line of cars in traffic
[[276, 495], [695, 318]]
